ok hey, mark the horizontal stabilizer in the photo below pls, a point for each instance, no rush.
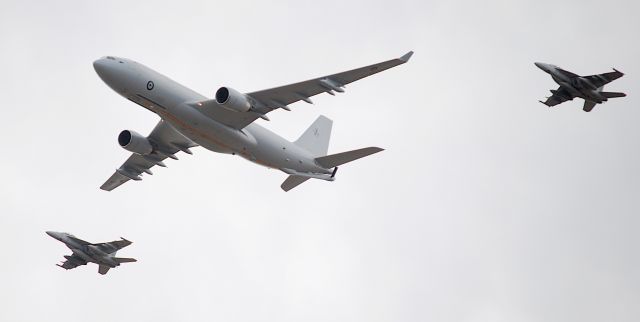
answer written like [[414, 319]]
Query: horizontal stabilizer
[[612, 94], [124, 260], [292, 182], [337, 159]]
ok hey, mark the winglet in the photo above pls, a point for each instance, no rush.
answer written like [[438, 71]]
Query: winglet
[[406, 56], [618, 71]]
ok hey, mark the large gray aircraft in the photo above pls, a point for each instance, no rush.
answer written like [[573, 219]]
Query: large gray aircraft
[[226, 124], [103, 254], [588, 88]]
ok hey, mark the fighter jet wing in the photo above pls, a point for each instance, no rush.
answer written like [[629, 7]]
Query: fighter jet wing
[[559, 96], [114, 246], [72, 262], [603, 79], [265, 101], [119, 244], [166, 141]]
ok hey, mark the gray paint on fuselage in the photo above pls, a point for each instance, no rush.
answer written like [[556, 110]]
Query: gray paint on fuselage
[[170, 100]]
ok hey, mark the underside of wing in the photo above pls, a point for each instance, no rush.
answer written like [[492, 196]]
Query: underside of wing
[[166, 142], [72, 262], [262, 102], [559, 96], [603, 79]]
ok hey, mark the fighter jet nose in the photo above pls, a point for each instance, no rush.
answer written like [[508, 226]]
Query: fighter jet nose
[[540, 65], [51, 233]]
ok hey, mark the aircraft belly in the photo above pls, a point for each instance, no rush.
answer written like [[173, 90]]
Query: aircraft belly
[[206, 132], [273, 151]]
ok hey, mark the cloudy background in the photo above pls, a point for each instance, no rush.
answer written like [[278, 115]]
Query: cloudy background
[[486, 205]]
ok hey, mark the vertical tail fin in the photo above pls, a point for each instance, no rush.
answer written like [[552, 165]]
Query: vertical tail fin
[[102, 269], [316, 138]]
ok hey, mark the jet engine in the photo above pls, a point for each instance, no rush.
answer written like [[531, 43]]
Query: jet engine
[[134, 142], [233, 100]]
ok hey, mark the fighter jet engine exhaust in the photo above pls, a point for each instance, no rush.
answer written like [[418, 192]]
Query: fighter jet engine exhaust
[[232, 99], [134, 142]]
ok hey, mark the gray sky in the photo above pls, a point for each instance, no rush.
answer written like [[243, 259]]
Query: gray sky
[[486, 205]]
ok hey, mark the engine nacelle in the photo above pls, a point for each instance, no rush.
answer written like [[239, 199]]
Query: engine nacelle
[[134, 142], [233, 100]]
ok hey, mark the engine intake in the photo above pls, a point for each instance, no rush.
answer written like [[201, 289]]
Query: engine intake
[[134, 142], [233, 100]]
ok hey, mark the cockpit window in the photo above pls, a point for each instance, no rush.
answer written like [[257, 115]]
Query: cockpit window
[[111, 57]]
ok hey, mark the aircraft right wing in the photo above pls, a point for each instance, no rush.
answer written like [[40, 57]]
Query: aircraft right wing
[[267, 100], [166, 142], [603, 79], [561, 95]]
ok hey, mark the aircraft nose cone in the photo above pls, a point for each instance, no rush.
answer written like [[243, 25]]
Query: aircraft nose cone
[[99, 66], [52, 233], [542, 66]]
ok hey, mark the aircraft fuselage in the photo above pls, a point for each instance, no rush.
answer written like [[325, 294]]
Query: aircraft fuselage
[[171, 101], [576, 85]]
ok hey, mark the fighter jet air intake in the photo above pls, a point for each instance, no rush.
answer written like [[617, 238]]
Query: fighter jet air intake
[[226, 124], [588, 88], [103, 254]]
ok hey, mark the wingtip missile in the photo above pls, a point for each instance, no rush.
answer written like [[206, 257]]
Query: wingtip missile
[[405, 58]]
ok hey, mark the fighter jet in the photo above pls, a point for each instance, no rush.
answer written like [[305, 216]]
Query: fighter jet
[[225, 124], [588, 88], [84, 252]]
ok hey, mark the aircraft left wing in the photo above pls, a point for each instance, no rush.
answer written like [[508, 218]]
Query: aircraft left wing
[[265, 101], [119, 244], [559, 96], [166, 141], [603, 79]]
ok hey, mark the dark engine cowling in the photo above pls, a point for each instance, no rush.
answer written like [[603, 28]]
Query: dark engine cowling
[[134, 142], [232, 99]]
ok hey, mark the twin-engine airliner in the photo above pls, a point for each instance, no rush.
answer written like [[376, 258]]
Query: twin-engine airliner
[[225, 124]]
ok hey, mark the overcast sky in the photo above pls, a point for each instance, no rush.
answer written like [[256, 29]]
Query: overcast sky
[[485, 206]]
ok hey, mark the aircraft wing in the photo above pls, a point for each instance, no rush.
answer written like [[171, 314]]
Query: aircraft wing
[[265, 101], [72, 262], [166, 142], [561, 95], [603, 79], [119, 244]]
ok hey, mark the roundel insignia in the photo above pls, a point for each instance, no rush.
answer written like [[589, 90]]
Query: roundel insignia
[[150, 85]]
